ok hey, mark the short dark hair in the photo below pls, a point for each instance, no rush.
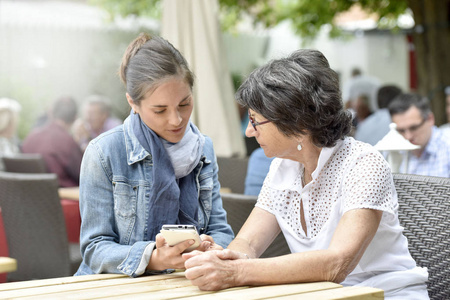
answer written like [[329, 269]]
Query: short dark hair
[[147, 62], [386, 94], [299, 94], [405, 101], [356, 72], [65, 109]]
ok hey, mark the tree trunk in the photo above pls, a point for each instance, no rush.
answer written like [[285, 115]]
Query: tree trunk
[[431, 38]]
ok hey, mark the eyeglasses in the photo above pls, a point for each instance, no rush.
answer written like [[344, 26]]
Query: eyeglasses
[[412, 128], [254, 123]]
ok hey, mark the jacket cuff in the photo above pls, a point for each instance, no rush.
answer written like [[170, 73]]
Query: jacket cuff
[[137, 260]]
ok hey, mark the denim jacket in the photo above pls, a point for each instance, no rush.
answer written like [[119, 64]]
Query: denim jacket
[[116, 177]]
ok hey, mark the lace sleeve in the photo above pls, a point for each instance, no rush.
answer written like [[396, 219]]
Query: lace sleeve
[[266, 197], [369, 184]]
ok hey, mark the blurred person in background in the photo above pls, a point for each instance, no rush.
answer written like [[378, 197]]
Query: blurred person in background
[[54, 142], [43, 118], [360, 84], [362, 108], [447, 110], [9, 118], [257, 169], [415, 122], [376, 126], [96, 118]]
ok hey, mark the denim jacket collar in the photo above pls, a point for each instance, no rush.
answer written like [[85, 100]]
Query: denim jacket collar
[[135, 151]]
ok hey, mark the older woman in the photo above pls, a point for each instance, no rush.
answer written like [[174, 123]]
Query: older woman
[[331, 196]]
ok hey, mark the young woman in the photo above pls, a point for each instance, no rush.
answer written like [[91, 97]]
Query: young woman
[[155, 169]]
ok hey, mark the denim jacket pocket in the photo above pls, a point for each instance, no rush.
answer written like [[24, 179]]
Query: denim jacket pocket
[[206, 185], [125, 198]]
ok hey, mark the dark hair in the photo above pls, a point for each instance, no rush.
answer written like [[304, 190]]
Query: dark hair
[[299, 94], [147, 62], [65, 109], [356, 72], [386, 94], [405, 101]]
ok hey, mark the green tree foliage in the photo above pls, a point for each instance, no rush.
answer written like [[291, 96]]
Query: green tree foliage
[[307, 16], [124, 8], [431, 35]]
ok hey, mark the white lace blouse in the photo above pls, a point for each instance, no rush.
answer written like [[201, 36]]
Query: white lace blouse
[[351, 175]]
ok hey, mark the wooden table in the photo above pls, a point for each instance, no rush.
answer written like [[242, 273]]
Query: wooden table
[[69, 193], [171, 286], [7, 264]]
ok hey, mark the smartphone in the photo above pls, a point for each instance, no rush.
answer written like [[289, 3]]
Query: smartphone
[[175, 234]]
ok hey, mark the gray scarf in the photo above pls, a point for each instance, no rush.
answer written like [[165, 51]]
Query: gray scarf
[[185, 154]]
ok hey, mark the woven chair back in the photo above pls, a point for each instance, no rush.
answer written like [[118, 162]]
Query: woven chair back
[[24, 163], [238, 209], [424, 204], [232, 172], [34, 226]]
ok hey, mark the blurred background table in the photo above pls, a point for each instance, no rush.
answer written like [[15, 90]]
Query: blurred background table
[[69, 193], [70, 197], [7, 264]]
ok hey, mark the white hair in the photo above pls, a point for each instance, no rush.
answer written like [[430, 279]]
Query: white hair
[[9, 110]]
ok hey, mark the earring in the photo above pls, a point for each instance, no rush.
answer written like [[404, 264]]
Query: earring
[[299, 146], [134, 112]]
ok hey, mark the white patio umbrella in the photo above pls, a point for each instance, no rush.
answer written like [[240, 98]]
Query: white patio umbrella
[[192, 26]]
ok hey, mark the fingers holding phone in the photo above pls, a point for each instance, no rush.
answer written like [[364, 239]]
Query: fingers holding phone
[[173, 240], [175, 234], [165, 256], [177, 247]]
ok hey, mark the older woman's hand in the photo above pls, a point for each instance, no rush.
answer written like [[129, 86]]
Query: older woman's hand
[[213, 270]]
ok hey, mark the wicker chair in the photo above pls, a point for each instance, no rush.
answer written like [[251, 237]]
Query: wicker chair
[[35, 227], [238, 209], [424, 205], [24, 163], [232, 172]]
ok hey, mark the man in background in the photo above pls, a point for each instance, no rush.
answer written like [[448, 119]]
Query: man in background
[[96, 118], [53, 141], [376, 126], [415, 122]]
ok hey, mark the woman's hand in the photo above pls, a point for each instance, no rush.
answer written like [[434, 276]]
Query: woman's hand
[[213, 270], [165, 256], [211, 246], [169, 257]]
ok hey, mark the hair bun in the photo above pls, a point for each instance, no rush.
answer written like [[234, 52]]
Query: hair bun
[[131, 51]]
